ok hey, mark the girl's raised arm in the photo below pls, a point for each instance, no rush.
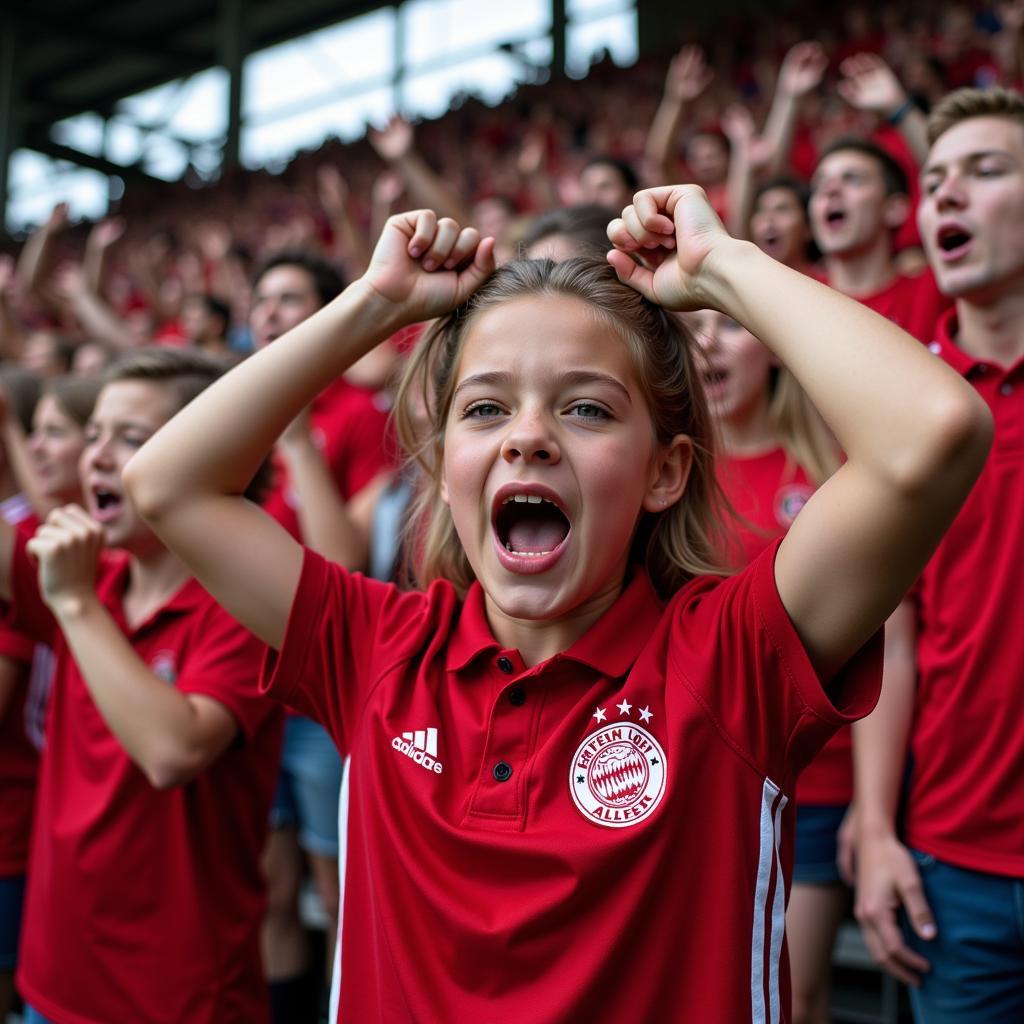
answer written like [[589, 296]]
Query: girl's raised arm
[[915, 434], [188, 480]]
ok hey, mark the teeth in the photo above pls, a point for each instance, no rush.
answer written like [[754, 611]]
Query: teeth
[[532, 499], [525, 554]]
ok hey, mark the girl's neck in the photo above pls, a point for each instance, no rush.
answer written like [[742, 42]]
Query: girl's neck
[[749, 431], [537, 640], [154, 578]]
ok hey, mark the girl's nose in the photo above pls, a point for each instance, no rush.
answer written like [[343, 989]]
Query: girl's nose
[[530, 440]]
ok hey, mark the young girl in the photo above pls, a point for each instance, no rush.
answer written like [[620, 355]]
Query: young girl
[[570, 753], [775, 451]]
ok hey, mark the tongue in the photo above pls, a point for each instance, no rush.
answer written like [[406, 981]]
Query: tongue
[[537, 533]]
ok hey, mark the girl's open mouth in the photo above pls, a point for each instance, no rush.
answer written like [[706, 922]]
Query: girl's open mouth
[[530, 532]]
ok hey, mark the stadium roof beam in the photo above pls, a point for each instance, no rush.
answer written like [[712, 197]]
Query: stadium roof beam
[[58, 151]]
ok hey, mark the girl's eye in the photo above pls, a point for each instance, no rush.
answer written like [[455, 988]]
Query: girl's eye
[[589, 411], [482, 410]]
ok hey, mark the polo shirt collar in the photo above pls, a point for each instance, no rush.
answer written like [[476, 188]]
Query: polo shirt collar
[[114, 583], [610, 646], [945, 345]]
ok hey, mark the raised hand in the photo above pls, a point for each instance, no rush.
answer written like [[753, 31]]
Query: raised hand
[[387, 187], [671, 230], [331, 187], [738, 125], [426, 266], [688, 75], [802, 69], [69, 280], [7, 273], [868, 83], [58, 219], [393, 142], [106, 233], [67, 547], [887, 879]]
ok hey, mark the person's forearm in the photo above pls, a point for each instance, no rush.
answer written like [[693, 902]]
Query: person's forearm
[[779, 128], [428, 189], [154, 722], [880, 740], [913, 127], [12, 337], [324, 520], [258, 400], [659, 149], [34, 257], [740, 190], [100, 320], [854, 366]]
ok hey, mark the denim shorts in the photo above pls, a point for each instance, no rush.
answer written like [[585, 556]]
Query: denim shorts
[[308, 786], [12, 898], [977, 957], [817, 829]]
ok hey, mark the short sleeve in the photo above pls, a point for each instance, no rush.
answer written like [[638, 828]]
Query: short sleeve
[[224, 665], [734, 646], [344, 631], [27, 612]]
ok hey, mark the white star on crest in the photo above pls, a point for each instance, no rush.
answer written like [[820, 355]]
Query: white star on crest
[[599, 715], [646, 714], [625, 707]]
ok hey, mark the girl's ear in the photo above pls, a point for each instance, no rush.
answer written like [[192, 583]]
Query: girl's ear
[[669, 475]]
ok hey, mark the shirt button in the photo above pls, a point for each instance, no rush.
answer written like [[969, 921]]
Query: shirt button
[[503, 771], [506, 666], [1006, 389], [517, 696]]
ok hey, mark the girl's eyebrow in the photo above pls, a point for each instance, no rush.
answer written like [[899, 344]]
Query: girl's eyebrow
[[572, 378]]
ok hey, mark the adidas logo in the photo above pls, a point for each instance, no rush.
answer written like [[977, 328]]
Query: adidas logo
[[421, 747]]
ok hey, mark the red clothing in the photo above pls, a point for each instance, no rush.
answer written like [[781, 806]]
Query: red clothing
[[351, 431], [913, 303], [19, 763], [767, 491], [594, 838], [19, 759], [145, 905], [966, 802]]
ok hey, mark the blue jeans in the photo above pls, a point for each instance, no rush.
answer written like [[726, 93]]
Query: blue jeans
[[977, 958], [308, 786]]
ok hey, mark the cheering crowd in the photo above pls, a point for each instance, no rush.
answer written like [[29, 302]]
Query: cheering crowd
[[515, 569]]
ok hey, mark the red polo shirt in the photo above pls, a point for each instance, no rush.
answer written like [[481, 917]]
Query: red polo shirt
[[145, 905], [767, 491], [351, 430], [913, 303], [595, 838], [966, 803], [19, 761]]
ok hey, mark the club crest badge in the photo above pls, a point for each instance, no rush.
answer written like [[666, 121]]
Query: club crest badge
[[789, 500], [617, 775]]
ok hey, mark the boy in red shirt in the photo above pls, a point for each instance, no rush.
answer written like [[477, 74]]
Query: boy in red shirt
[[859, 199], [960, 874], [144, 895]]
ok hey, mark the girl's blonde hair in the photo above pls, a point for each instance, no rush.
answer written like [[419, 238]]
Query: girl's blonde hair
[[802, 433], [673, 545]]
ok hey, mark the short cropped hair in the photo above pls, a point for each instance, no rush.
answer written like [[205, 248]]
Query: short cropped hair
[[327, 280], [965, 104], [894, 177], [184, 372], [628, 175]]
